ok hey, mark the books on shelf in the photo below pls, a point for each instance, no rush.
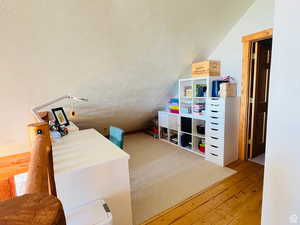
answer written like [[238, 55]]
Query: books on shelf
[[188, 91], [200, 90]]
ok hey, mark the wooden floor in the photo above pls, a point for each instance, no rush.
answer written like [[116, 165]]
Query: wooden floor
[[234, 201]]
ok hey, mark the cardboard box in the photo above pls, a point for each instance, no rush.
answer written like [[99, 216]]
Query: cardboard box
[[228, 90], [206, 68]]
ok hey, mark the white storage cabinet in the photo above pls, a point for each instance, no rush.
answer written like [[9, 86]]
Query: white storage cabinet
[[220, 119], [222, 130]]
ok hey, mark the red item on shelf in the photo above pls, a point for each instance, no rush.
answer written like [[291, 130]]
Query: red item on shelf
[[202, 148], [155, 130]]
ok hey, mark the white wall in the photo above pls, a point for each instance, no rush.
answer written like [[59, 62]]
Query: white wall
[[258, 17], [281, 199], [125, 56]]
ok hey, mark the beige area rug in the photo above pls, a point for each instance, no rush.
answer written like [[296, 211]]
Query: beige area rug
[[163, 175]]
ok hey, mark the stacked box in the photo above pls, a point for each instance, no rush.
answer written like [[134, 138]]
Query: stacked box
[[228, 90], [174, 105], [206, 68]]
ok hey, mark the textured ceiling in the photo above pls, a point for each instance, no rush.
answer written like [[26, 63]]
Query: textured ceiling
[[125, 56]]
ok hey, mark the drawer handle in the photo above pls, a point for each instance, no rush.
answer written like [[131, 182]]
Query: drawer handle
[[214, 138], [214, 117], [216, 105], [213, 154], [214, 111], [214, 129], [214, 146], [215, 123]]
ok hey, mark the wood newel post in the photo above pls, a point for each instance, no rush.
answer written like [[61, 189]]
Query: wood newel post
[[40, 173], [39, 129]]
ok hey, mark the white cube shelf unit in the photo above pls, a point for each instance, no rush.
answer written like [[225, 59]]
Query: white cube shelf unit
[[202, 121]]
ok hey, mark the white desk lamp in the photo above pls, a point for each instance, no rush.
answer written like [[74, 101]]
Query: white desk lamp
[[35, 110]]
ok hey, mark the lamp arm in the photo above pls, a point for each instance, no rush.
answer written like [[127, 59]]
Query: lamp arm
[[36, 109]]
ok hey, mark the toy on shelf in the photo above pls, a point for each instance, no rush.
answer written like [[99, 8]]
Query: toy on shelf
[[202, 145]]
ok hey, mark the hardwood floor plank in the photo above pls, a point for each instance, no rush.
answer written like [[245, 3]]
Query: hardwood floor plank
[[228, 210], [202, 210], [227, 202]]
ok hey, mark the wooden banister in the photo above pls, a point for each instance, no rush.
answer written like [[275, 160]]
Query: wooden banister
[[32, 209], [37, 180], [40, 173], [38, 206]]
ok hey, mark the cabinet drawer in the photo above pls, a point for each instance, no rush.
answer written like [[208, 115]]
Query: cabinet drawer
[[212, 140], [215, 131], [216, 113], [163, 119], [214, 148], [215, 123], [216, 102], [173, 122], [215, 120], [215, 158], [216, 108]]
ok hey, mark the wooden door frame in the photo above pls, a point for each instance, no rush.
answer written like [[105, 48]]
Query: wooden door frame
[[247, 42]]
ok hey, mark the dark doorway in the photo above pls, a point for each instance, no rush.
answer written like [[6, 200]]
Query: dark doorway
[[260, 66]]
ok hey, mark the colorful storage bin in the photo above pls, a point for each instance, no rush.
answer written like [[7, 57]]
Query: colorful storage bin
[[174, 105]]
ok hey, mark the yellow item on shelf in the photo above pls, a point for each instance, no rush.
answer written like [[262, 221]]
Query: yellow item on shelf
[[175, 107], [188, 93]]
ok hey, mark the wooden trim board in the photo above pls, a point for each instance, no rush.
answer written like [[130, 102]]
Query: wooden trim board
[[262, 35], [9, 167], [13, 165], [247, 42]]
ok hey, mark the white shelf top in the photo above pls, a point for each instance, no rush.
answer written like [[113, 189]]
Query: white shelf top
[[186, 115], [186, 97], [199, 117], [199, 135], [185, 133], [200, 97], [164, 111], [200, 78]]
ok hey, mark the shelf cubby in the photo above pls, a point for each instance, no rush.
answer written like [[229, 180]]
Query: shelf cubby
[[186, 89], [198, 108], [186, 141], [199, 128], [173, 136], [199, 145], [186, 125], [164, 134], [200, 89], [186, 105]]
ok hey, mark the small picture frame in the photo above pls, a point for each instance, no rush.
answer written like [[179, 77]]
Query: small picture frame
[[60, 116]]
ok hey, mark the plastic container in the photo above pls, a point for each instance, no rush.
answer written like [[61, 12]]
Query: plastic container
[[93, 213]]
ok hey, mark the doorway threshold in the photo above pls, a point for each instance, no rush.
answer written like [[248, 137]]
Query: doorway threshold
[[259, 159]]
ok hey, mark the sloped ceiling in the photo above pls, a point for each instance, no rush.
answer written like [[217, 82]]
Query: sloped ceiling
[[124, 55]]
